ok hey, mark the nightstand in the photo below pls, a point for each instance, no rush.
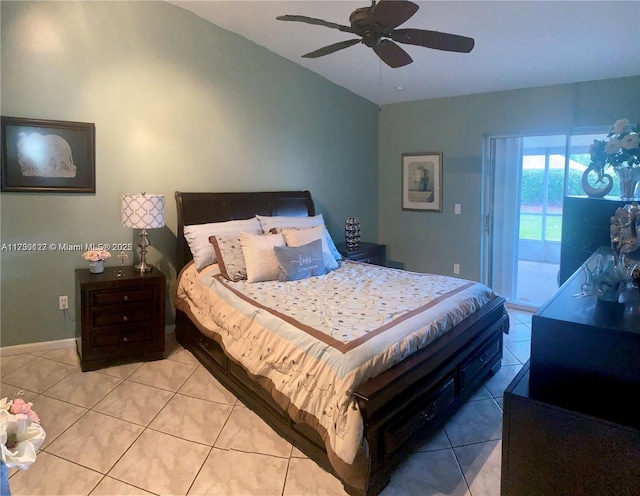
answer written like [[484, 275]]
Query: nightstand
[[372, 253], [119, 316]]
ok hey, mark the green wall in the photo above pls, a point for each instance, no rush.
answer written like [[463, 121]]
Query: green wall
[[178, 104], [433, 242]]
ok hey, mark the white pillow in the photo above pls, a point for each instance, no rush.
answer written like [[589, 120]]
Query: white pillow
[[281, 221], [260, 256], [299, 237], [197, 237]]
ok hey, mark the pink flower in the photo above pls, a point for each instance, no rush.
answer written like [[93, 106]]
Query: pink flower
[[19, 406], [631, 141]]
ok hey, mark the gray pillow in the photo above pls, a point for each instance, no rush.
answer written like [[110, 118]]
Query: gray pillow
[[300, 262]]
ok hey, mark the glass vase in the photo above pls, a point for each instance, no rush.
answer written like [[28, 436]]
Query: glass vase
[[96, 267], [629, 178], [352, 233], [4, 480]]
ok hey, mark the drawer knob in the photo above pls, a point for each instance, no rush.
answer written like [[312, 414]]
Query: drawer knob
[[429, 414], [125, 318], [125, 339], [126, 298]]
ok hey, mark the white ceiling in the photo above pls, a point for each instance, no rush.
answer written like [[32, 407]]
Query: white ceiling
[[518, 44]]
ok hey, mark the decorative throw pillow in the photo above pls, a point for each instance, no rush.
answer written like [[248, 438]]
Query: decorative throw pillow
[[299, 237], [230, 257], [259, 257], [197, 237], [283, 221], [300, 262]]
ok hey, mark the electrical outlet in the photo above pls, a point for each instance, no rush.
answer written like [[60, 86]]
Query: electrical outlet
[[456, 268], [63, 302]]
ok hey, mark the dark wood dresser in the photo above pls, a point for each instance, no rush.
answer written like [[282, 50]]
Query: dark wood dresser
[[571, 423], [585, 227], [119, 316], [372, 253]]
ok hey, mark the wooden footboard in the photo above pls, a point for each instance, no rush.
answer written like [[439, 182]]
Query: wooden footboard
[[400, 407]]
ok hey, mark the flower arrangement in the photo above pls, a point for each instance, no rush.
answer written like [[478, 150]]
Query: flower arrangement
[[621, 150], [20, 433], [96, 255]]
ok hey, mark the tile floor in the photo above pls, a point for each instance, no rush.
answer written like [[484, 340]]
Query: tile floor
[[168, 427]]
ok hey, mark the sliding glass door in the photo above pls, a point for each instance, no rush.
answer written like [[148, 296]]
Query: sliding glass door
[[526, 179]]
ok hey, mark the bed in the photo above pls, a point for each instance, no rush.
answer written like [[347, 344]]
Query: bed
[[395, 409]]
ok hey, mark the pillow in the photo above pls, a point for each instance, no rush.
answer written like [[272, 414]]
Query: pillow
[[281, 221], [300, 262], [197, 237], [299, 237], [259, 256], [229, 255]]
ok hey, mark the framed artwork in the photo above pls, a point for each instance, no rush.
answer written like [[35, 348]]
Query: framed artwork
[[47, 156], [422, 181]]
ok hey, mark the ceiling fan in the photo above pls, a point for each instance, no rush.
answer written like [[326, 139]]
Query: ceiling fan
[[376, 26]]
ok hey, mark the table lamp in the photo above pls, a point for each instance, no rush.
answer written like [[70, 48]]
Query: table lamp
[[142, 211]]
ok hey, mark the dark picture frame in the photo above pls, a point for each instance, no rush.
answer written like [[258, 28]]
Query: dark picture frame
[[422, 181], [47, 156]]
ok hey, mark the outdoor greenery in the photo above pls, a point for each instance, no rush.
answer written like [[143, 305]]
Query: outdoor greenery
[[531, 227], [533, 185]]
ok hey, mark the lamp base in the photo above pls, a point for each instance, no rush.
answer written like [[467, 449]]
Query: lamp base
[[143, 267]]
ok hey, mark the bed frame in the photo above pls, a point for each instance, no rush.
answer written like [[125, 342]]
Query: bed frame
[[402, 406]]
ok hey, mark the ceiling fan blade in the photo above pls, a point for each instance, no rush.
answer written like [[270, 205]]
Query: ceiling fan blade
[[317, 22], [391, 54], [392, 13], [331, 48], [434, 39]]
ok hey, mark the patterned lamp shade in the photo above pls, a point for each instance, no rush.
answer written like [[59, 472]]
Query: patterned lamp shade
[[142, 211]]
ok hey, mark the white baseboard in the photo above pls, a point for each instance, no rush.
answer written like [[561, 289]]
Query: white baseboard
[[43, 346], [40, 347]]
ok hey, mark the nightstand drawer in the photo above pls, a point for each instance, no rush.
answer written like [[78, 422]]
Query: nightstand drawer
[[122, 337], [128, 314], [129, 295]]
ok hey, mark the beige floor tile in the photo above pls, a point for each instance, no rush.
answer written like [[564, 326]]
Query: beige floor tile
[[179, 354], [497, 383], [64, 355], [8, 391], [200, 420], [245, 431], [234, 473], [55, 416], [51, 475], [306, 477], [12, 362], [83, 388], [475, 422], [432, 473], [517, 332], [38, 374], [481, 466], [95, 441], [134, 402], [163, 374], [521, 350], [112, 487], [436, 442], [203, 385], [160, 463], [123, 371]]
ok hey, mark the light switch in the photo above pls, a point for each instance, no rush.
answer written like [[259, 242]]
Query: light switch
[[457, 209]]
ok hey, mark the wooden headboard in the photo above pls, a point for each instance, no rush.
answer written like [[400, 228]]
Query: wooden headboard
[[202, 208]]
